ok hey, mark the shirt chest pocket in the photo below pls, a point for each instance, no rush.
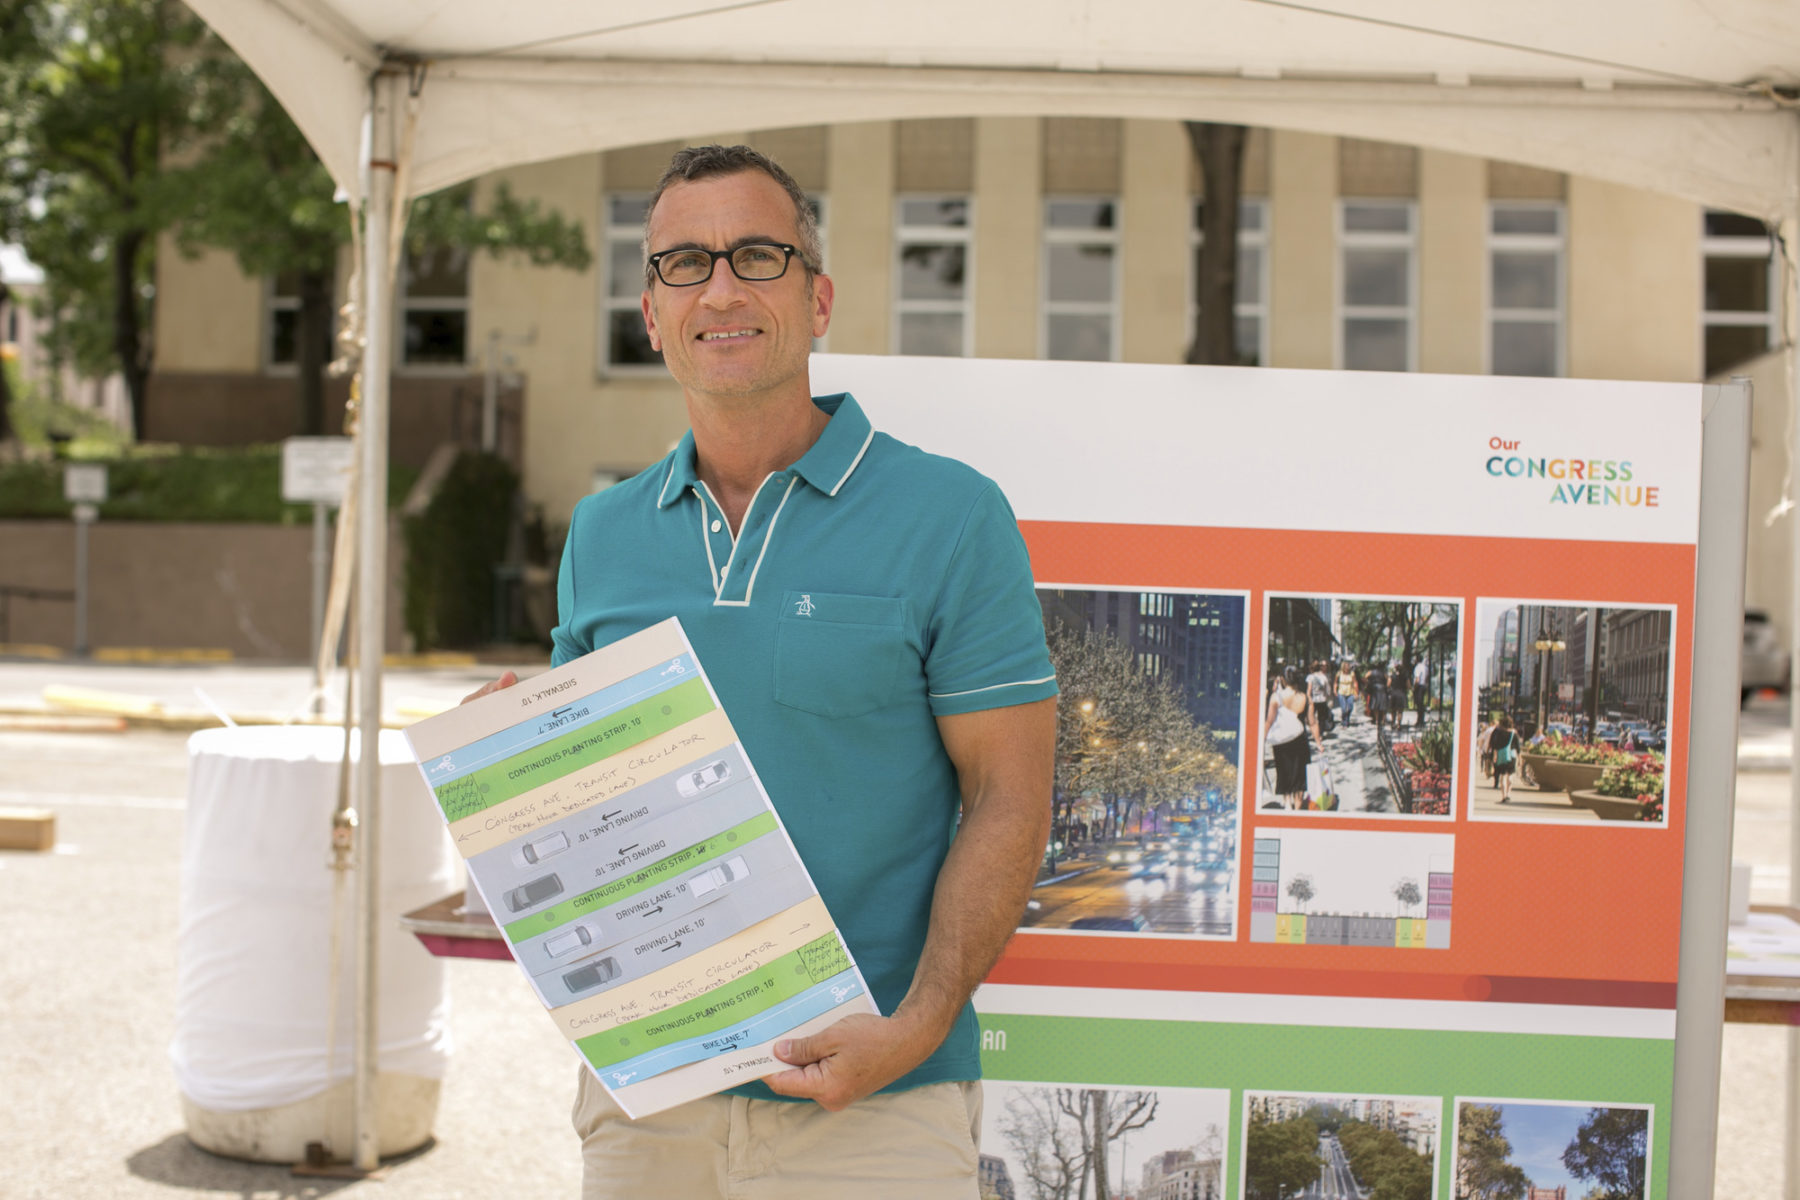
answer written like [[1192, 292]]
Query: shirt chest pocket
[[839, 655]]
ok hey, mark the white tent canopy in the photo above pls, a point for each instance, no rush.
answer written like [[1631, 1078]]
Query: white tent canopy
[[1694, 98], [1682, 96]]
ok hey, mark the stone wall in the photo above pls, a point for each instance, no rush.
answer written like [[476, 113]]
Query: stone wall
[[167, 585]]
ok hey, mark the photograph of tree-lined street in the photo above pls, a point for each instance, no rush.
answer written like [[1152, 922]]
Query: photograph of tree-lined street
[[1145, 829], [1357, 712], [1513, 1150], [1312, 1147], [1571, 713], [1070, 1142]]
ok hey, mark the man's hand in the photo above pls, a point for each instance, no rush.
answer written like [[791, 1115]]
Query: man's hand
[[856, 1057], [506, 680]]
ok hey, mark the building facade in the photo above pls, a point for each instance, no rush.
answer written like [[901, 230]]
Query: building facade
[[1027, 237]]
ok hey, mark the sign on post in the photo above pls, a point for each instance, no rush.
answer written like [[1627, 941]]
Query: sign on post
[[314, 470], [84, 483]]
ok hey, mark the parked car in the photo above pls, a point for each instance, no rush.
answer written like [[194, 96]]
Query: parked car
[[1764, 661]]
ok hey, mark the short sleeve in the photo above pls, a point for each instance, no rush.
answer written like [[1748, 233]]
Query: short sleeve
[[564, 644], [987, 629]]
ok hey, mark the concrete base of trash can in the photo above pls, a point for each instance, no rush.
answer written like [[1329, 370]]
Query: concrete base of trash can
[[405, 1107]]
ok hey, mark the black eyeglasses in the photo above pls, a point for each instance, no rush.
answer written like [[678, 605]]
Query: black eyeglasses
[[757, 262]]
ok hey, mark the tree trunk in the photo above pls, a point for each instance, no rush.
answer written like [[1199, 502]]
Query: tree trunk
[[1220, 151], [1102, 1189], [312, 350], [129, 343]]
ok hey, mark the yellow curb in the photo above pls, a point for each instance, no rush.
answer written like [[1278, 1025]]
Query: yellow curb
[[116, 704], [434, 658], [30, 650], [56, 723], [153, 654]]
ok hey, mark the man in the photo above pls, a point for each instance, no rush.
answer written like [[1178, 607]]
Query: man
[[1421, 679], [866, 614]]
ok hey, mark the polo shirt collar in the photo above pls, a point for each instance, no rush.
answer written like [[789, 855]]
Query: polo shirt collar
[[827, 466]]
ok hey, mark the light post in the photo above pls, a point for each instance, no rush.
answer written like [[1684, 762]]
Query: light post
[[1545, 647]]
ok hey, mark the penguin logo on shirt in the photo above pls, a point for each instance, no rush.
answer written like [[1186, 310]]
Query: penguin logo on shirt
[[803, 607]]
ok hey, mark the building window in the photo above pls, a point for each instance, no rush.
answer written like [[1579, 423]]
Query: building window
[[434, 307], [933, 265], [1525, 288], [281, 324], [1251, 308], [1742, 281], [624, 341], [1081, 279], [1376, 285]]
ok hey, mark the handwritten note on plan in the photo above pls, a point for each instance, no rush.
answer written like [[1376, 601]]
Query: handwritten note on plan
[[627, 850]]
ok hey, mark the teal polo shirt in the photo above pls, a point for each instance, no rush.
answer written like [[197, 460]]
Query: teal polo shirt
[[872, 588]]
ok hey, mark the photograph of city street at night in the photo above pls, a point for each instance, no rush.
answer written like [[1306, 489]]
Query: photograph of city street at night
[[1146, 826]]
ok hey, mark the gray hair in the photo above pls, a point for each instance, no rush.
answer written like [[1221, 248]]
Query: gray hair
[[711, 162]]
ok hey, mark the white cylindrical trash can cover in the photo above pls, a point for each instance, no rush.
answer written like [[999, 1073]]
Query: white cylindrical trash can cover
[[254, 996]]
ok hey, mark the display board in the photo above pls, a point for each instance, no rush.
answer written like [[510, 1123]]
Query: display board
[[1439, 947]]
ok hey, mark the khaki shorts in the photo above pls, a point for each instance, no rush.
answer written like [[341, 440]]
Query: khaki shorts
[[913, 1145]]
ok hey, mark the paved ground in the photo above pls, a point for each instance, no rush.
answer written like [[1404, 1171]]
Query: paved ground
[[88, 977]]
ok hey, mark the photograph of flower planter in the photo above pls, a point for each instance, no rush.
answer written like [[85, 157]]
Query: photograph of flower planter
[[1585, 692], [1378, 675]]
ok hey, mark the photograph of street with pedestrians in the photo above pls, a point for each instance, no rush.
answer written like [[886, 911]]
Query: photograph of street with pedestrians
[[1304, 1146], [1329, 887], [1550, 1150], [1145, 829], [1357, 710], [1064, 1141], [1571, 713]]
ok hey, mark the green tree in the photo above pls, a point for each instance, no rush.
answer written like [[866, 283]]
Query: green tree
[[95, 96], [1484, 1167], [262, 193], [1281, 1158], [1610, 1149], [1123, 737]]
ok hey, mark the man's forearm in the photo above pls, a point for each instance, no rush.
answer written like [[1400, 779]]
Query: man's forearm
[[980, 895]]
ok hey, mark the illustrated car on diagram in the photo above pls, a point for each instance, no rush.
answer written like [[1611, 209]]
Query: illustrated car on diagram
[[536, 892], [692, 783]]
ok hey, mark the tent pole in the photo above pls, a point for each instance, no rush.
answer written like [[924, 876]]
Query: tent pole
[[371, 591], [1789, 246]]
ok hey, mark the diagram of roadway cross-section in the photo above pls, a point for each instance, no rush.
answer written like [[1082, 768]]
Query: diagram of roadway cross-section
[[639, 873]]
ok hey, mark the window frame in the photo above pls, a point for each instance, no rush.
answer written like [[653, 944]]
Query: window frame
[[1112, 309], [1253, 238], [612, 236], [1556, 243], [1348, 240], [963, 235], [405, 303], [1742, 246]]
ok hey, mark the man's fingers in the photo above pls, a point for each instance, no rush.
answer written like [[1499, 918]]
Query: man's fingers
[[506, 680], [800, 1051]]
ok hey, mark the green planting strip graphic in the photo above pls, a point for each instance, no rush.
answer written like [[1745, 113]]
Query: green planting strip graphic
[[717, 846], [722, 1007], [479, 790], [1137, 1054]]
